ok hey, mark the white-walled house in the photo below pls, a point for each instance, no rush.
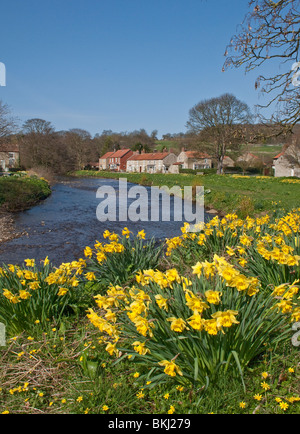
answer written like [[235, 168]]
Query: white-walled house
[[194, 160], [156, 162], [9, 156], [228, 162], [284, 166], [104, 161]]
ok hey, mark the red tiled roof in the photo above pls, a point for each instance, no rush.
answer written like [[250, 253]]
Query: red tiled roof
[[279, 155], [120, 153], [9, 147], [107, 155], [115, 154], [149, 156]]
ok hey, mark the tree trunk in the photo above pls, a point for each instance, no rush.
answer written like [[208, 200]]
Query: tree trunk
[[220, 167]]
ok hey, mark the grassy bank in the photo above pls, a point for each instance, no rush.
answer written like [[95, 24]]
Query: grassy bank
[[64, 371], [18, 193], [201, 326], [227, 193]]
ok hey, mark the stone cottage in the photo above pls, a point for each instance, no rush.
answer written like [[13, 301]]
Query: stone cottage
[[9, 156], [194, 160], [287, 163], [103, 161], [156, 162]]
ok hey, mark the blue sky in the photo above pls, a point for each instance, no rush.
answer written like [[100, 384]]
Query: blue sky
[[118, 64]]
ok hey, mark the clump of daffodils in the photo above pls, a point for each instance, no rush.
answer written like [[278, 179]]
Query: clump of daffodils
[[36, 292], [225, 310]]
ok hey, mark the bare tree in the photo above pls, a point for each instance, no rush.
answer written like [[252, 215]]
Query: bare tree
[[8, 123], [37, 126], [37, 143], [270, 34], [220, 123], [153, 135], [78, 142]]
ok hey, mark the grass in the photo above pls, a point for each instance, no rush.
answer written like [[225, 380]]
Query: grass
[[267, 149], [65, 371], [227, 193], [61, 366], [18, 193]]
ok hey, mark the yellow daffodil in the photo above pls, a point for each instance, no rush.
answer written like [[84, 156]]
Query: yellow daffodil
[[170, 368]]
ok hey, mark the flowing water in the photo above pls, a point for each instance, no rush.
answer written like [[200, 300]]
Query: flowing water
[[61, 226]]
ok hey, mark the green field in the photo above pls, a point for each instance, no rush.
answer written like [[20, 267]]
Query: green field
[[266, 149], [265, 152], [269, 151]]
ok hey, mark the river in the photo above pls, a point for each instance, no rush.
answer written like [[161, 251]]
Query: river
[[65, 223]]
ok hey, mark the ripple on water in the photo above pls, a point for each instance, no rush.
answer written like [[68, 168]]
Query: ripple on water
[[61, 226]]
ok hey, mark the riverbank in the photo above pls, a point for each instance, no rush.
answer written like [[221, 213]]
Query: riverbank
[[244, 195], [7, 228], [21, 192]]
